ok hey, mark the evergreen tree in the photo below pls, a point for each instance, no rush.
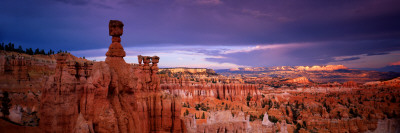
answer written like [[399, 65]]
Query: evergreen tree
[[203, 116], [29, 51], [186, 113], [5, 103], [261, 117], [273, 119], [49, 52], [2, 46], [352, 113], [37, 51], [20, 50], [42, 52], [9, 47], [393, 100]]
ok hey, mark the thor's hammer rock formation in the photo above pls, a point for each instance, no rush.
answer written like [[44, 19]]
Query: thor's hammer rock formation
[[110, 96]]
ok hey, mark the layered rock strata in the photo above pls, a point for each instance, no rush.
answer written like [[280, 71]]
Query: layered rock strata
[[110, 96]]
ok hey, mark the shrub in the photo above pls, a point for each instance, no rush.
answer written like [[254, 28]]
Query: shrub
[[273, 119], [186, 113], [253, 117], [261, 117], [5, 102]]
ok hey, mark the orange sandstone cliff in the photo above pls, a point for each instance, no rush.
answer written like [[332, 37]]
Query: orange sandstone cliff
[[110, 96], [63, 93]]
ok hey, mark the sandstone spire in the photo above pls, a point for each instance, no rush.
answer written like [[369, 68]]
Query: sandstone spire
[[115, 30]]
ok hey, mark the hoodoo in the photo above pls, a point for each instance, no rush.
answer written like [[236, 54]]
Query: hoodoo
[[46, 89], [110, 96], [116, 31], [82, 96]]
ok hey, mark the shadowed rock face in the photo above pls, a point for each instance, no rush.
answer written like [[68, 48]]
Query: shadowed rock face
[[113, 97]]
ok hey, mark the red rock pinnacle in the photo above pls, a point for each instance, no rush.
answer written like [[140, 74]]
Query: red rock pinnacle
[[115, 30]]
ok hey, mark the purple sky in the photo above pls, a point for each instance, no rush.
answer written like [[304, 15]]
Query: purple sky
[[214, 33]]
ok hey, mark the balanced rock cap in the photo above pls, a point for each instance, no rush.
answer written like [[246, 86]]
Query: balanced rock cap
[[115, 28]]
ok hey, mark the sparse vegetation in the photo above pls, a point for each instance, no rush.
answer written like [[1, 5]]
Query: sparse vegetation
[[202, 107], [186, 113], [261, 117], [11, 48], [252, 117], [272, 119]]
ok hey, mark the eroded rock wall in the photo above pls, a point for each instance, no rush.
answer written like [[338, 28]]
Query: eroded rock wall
[[110, 96]]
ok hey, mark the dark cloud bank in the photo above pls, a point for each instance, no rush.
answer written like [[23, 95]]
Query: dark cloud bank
[[334, 28]]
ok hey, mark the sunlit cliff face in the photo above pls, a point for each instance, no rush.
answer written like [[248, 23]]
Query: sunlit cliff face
[[283, 66], [250, 99], [241, 102]]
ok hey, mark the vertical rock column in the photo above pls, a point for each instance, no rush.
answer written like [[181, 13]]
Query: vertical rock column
[[140, 59], [146, 69], [115, 57], [154, 77], [115, 52]]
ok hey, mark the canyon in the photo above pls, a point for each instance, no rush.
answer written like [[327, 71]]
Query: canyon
[[64, 93], [248, 104], [77, 95]]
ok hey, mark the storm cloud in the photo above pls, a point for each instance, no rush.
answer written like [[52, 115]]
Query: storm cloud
[[321, 30]]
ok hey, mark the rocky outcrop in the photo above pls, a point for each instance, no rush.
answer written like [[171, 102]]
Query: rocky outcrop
[[204, 71], [194, 90], [60, 98], [266, 121], [223, 121], [387, 126], [110, 96], [22, 72], [15, 65], [113, 96], [23, 107], [299, 80], [350, 84]]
